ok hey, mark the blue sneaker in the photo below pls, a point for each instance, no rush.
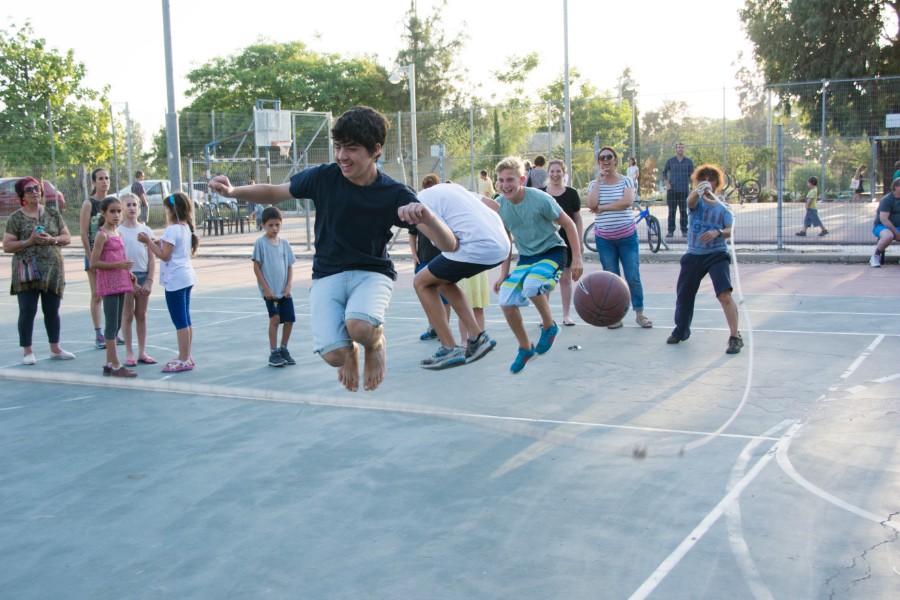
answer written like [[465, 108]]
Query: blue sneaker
[[547, 338], [445, 358], [429, 334], [521, 358]]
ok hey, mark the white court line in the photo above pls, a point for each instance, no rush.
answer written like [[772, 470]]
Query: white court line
[[700, 530], [12, 407], [856, 363], [523, 426], [785, 463], [734, 520]]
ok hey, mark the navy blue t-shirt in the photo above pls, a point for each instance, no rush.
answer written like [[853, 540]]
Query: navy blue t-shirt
[[353, 223]]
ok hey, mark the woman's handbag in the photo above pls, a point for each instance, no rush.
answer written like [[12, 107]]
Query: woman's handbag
[[28, 269]]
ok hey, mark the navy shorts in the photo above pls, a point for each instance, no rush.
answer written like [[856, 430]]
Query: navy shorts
[[283, 307], [450, 270]]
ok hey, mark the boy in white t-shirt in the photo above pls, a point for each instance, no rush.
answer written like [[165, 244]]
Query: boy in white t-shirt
[[273, 261], [481, 244]]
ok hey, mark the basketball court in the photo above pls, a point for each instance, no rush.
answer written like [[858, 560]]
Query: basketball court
[[614, 466]]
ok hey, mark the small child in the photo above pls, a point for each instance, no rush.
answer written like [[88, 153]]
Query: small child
[[175, 248], [812, 211], [144, 269], [114, 280], [273, 261]]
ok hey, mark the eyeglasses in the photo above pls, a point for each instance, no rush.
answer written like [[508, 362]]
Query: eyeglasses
[[33, 189], [606, 157]]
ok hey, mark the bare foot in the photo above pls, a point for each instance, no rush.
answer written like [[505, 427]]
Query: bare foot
[[375, 365], [348, 373]]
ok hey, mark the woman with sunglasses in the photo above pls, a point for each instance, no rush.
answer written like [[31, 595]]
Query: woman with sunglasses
[[610, 198], [34, 234], [88, 220]]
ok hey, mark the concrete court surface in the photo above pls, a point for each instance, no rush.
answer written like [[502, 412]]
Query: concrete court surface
[[237, 480]]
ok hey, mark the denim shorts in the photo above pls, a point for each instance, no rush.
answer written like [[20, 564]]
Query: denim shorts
[[360, 295], [141, 277]]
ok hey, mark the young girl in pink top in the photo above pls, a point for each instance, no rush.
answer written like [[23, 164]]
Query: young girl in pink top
[[114, 280]]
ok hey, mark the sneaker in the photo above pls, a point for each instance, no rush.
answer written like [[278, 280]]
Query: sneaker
[[122, 372], [119, 341], [670, 234], [481, 346], [521, 358], [61, 355], [801, 233], [276, 359], [823, 232], [875, 261], [735, 343], [445, 358], [429, 334], [547, 337], [100, 342], [288, 359], [672, 340]]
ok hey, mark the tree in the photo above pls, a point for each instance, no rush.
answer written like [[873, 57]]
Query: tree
[[436, 58], [35, 79], [298, 77]]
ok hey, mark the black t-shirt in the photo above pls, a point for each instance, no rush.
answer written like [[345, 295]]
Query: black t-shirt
[[353, 223], [570, 202], [426, 251]]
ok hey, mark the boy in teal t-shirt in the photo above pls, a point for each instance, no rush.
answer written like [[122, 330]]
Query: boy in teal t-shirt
[[812, 210]]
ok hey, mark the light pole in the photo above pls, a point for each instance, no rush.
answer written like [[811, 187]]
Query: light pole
[[395, 78], [628, 84]]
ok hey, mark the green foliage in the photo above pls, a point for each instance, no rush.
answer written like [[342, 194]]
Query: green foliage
[[298, 77], [811, 40], [436, 58], [35, 79]]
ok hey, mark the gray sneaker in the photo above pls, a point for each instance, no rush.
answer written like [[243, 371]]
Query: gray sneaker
[[276, 360], [445, 358], [481, 346], [735, 343], [288, 359]]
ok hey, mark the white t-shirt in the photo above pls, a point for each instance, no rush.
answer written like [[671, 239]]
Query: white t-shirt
[[135, 250], [482, 237], [632, 172], [177, 272]]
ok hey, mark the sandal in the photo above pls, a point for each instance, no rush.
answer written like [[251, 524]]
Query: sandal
[[146, 360], [130, 362], [644, 322], [616, 325], [568, 322], [176, 366]]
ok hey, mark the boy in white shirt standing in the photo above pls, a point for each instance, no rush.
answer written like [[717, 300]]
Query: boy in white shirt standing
[[273, 261]]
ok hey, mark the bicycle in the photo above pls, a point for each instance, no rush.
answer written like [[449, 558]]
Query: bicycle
[[654, 234], [746, 190]]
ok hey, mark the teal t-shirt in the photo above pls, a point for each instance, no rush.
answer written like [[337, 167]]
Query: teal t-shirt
[[532, 222]]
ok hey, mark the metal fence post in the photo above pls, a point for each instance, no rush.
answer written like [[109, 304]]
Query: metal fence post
[[472, 147], [780, 183], [822, 152]]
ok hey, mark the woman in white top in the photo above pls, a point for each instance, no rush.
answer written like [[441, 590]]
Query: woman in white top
[[610, 198], [633, 173]]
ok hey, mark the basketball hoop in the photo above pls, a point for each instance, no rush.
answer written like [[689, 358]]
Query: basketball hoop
[[284, 148]]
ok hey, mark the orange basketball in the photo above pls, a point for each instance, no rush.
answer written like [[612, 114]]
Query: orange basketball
[[602, 298]]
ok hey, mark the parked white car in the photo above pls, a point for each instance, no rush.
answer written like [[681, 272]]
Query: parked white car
[[157, 189]]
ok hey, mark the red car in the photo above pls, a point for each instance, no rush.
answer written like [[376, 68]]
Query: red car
[[9, 201]]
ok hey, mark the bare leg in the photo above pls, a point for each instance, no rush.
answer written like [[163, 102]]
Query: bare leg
[[273, 331], [374, 345], [184, 336], [96, 302], [286, 333], [565, 293], [140, 323], [127, 318], [460, 304], [514, 320], [426, 286], [542, 304], [731, 311]]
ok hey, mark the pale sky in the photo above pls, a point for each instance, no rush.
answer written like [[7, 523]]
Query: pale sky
[[120, 42]]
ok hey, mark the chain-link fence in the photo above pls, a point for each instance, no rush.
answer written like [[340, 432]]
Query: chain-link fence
[[824, 128]]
